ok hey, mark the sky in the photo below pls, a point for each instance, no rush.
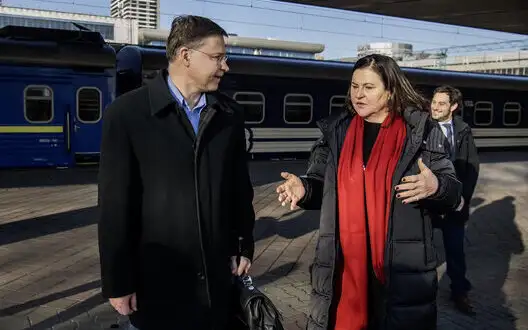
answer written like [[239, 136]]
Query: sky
[[340, 31]]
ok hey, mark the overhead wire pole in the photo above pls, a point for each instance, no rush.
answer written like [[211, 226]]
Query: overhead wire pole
[[510, 44], [260, 4], [442, 53]]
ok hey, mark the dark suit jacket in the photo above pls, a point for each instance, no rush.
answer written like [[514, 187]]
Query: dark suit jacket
[[467, 166]]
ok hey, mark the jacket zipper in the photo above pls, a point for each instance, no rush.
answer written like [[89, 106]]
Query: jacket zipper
[[388, 255], [389, 240], [336, 234], [388, 250], [196, 147]]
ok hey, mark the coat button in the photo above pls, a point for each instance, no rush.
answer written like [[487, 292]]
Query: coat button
[[201, 276]]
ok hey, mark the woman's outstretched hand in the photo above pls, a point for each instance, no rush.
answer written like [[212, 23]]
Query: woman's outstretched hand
[[291, 191], [419, 186]]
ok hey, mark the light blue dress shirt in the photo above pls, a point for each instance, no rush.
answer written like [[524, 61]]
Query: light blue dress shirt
[[194, 113]]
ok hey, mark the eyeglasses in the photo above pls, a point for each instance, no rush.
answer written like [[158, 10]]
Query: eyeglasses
[[218, 58]]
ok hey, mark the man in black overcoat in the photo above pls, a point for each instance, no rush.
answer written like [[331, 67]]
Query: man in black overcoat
[[446, 106], [175, 197]]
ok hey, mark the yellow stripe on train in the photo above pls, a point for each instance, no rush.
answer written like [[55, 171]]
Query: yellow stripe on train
[[31, 129]]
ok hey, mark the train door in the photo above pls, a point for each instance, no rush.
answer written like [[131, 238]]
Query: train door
[[33, 128], [87, 119]]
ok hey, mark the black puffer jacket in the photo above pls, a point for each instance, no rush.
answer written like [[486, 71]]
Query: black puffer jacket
[[409, 298]]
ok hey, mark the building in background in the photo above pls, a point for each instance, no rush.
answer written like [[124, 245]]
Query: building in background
[[118, 30], [127, 31], [395, 50], [246, 45], [512, 62], [146, 12]]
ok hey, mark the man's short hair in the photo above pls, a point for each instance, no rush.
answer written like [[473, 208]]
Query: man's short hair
[[190, 31], [455, 96]]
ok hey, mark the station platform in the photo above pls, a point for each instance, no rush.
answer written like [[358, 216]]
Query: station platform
[[49, 267]]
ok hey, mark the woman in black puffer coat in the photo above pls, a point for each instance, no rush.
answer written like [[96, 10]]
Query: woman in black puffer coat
[[376, 173]]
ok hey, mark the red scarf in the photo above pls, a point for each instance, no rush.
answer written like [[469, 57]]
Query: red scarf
[[354, 184]]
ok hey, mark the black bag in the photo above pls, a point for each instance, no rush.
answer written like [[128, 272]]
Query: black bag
[[253, 309]]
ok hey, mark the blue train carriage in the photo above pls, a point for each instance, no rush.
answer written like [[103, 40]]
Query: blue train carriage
[[284, 98], [54, 86], [136, 65]]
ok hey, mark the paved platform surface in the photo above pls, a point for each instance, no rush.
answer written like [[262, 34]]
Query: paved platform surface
[[49, 268]]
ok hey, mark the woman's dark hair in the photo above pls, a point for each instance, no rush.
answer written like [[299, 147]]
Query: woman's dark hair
[[402, 93]]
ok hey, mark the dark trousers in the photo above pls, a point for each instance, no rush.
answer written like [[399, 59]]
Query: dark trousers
[[453, 234]]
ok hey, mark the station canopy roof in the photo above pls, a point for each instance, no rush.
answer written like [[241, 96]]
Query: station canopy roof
[[497, 15]]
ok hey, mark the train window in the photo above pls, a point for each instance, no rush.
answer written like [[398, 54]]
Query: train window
[[298, 108], [483, 113], [38, 104], [89, 104], [336, 103], [511, 114], [254, 106]]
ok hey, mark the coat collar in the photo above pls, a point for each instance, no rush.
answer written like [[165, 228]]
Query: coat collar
[[161, 98], [413, 117], [460, 126]]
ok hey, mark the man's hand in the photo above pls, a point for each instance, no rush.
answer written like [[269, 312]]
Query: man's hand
[[125, 305], [242, 268]]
